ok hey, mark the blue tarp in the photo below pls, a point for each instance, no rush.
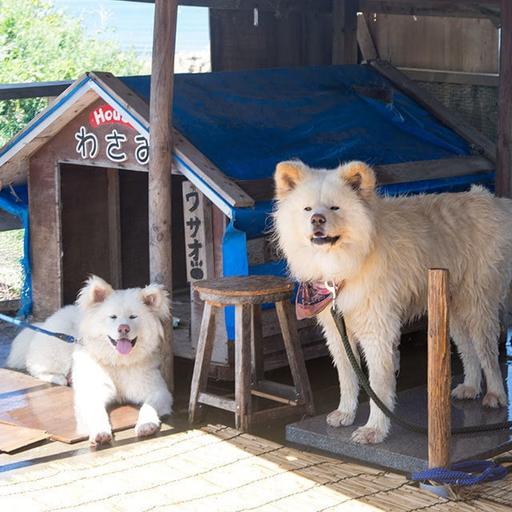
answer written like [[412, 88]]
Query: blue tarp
[[247, 121], [15, 202]]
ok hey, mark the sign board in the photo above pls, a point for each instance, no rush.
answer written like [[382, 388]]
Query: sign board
[[104, 136], [198, 233]]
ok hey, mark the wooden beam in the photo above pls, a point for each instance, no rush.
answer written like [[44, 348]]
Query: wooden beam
[[445, 8], [218, 401], [33, 90], [272, 397], [161, 143], [283, 6], [503, 171], [475, 8], [276, 388], [365, 39], [109, 87], [479, 142], [451, 77], [344, 31], [422, 170], [189, 157], [439, 371], [406, 172]]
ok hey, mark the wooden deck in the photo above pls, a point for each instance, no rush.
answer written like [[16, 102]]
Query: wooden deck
[[216, 469]]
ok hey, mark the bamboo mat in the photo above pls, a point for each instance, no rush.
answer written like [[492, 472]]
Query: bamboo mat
[[217, 468], [33, 404]]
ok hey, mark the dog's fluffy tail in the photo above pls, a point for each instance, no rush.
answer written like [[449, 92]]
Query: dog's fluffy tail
[[19, 349]]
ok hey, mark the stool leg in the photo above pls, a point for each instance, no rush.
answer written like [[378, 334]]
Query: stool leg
[[202, 362], [257, 359], [293, 348], [242, 366]]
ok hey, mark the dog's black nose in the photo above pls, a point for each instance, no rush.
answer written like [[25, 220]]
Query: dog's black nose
[[318, 218]]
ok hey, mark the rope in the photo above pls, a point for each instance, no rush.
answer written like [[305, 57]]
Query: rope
[[20, 323], [365, 384], [61, 336], [466, 473]]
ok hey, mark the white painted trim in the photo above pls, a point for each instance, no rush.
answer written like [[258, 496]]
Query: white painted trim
[[37, 130], [126, 114], [208, 192], [214, 196]]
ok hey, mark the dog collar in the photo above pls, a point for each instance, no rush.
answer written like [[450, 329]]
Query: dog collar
[[314, 296]]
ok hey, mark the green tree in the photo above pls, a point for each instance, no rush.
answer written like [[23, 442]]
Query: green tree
[[40, 43]]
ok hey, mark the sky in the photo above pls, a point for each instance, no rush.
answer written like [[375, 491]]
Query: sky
[[131, 23]]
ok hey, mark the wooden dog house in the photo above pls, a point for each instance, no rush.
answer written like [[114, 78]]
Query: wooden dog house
[[85, 160]]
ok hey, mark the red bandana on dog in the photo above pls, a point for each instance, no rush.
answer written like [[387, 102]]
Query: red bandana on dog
[[312, 298]]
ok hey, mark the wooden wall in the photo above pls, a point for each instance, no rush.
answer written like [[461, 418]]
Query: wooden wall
[[86, 247], [305, 38], [292, 39], [89, 214], [455, 44]]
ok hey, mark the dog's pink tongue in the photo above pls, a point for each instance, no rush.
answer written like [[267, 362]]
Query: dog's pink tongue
[[124, 346]]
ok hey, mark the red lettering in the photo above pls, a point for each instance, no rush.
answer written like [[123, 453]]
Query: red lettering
[[106, 114]]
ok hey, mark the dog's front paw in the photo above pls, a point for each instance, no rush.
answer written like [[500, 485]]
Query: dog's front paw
[[494, 401], [464, 392], [146, 429], [338, 418], [100, 438], [368, 435]]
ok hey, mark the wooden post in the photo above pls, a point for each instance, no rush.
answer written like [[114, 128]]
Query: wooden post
[[344, 31], [439, 371], [243, 411], [159, 181], [114, 228], [504, 158]]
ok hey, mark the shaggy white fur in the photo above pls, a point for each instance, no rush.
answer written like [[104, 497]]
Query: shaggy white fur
[[116, 357], [332, 226]]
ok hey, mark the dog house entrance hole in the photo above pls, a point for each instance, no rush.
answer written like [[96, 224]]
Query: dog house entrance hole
[[104, 223]]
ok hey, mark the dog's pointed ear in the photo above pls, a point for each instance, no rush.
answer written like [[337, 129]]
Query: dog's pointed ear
[[287, 176], [360, 177], [157, 300], [95, 291]]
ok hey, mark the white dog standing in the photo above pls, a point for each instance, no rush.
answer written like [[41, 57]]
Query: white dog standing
[[332, 226], [115, 360]]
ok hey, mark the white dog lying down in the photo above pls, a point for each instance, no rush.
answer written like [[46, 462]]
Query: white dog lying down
[[116, 357]]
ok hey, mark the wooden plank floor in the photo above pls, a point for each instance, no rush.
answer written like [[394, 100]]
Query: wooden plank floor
[[216, 469], [13, 437], [31, 403]]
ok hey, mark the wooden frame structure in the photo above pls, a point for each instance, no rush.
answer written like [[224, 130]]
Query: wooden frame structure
[[222, 193]]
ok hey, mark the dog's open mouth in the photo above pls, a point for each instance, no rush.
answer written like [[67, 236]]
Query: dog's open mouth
[[123, 345], [324, 239]]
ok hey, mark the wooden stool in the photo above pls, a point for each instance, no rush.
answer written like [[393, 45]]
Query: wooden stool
[[247, 294]]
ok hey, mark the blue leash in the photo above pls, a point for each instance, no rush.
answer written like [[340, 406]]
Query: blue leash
[[467, 473], [20, 323]]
